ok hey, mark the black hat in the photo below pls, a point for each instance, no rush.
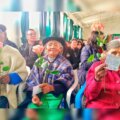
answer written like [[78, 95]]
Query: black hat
[[58, 39], [2, 28]]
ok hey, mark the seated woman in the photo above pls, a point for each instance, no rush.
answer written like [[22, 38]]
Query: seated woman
[[103, 85], [53, 85], [91, 48], [9, 80]]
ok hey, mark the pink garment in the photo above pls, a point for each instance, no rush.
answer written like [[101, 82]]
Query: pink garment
[[104, 94]]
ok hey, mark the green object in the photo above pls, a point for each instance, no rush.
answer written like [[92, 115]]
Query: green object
[[50, 114], [39, 62], [49, 109], [55, 72], [91, 58], [1, 63], [100, 42], [53, 114], [6, 68], [48, 71], [98, 55], [49, 101]]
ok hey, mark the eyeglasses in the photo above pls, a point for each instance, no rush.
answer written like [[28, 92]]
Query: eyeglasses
[[31, 34]]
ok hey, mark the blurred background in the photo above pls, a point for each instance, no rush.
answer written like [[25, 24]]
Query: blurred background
[[65, 18]]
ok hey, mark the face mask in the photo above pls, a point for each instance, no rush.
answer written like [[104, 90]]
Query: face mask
[[113, 62]]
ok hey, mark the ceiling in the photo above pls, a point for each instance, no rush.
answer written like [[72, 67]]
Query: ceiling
[[94, 11]]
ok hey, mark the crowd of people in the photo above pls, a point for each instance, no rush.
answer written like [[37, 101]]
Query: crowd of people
[[51, 62]]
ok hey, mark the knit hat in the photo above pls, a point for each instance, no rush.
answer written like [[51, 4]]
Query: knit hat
[[113, 44]]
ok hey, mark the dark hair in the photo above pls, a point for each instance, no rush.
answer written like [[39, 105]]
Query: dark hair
[[92, 40], [80, 41], [2, 28]]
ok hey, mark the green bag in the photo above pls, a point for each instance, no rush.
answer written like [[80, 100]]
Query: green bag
[[49, 102], [50, 114], [49, 109]]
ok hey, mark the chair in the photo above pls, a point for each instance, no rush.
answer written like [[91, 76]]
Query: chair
[[72, 88], [79, 96], [20, 94], [87, 113]]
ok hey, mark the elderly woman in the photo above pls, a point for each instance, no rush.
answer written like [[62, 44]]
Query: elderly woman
[[56, 84], [53, 85], [103, 85]]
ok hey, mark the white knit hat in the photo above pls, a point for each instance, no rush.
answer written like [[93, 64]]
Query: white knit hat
[[113, 44]]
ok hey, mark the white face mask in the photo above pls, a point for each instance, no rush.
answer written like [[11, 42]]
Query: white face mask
[[113, 62]]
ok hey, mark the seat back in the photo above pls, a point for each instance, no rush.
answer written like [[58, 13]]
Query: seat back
[[72, 88], [87, 113], [79, 95]]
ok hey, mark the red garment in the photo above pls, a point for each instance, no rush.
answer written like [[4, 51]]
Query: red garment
[[104, 94], [100, 50], [108, 114]]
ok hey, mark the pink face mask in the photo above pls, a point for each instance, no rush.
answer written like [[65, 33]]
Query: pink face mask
[[1, 44]]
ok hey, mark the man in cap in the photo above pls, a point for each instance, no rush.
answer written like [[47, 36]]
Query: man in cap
[[3, 37]]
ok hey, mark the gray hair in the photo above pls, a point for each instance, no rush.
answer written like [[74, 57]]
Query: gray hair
[[113, 44]]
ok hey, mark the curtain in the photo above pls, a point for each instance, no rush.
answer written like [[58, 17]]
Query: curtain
[[24, 25], [15, 5], [65, 20], [68, 28], [77, 32]]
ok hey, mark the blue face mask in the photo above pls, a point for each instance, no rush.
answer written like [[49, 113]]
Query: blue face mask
[[113, 62]]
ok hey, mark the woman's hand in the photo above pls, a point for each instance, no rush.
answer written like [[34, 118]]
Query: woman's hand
[[103, 56], [5, 79], [46, 88], [38, 49], [31, 114], [36, 100], [100, 72]]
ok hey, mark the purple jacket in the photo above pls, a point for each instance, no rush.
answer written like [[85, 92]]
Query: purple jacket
[[61, 81], [85, 54]]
